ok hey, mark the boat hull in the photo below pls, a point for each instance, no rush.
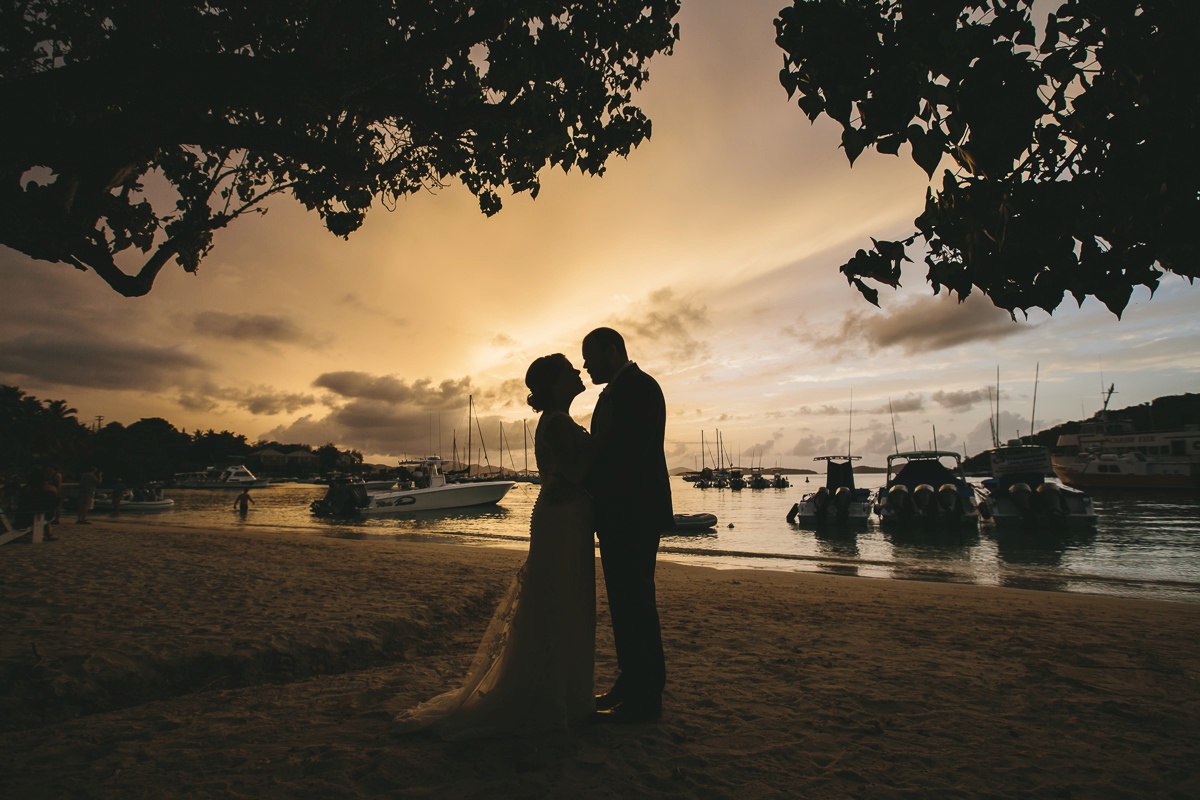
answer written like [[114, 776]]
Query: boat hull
[[238, 485], [452, 495], [138, 506], [686, 523], [234, 477], [1126, 472], [810, 511], [1072, 508]]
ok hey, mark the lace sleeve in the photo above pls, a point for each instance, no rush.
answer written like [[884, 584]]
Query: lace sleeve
[[566, 449]]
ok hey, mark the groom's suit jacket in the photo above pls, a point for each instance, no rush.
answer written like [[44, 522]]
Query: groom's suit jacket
[[629, 481]]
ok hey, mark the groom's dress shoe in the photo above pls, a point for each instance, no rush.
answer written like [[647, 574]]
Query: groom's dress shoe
[[629, 713], [607, 702]]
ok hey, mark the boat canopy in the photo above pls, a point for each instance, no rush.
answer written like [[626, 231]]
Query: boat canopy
[[923, 467], [839, 474]]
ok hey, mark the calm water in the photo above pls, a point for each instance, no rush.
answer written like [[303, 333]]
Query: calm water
[[1146, 547]]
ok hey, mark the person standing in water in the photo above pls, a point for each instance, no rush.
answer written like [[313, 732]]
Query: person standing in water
[[243, 501]]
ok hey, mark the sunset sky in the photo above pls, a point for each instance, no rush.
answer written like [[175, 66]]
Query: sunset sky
[[714, 248]]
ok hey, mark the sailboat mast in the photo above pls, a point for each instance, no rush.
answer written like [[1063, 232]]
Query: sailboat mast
[[470, 413], [850, 431], [996, 435], [895, 441], [1033, 413]]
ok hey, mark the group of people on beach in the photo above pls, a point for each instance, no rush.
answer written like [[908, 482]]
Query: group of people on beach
[[41, 492], [533, 672]]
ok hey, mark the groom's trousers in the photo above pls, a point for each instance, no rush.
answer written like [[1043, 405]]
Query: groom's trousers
[[628, 555]]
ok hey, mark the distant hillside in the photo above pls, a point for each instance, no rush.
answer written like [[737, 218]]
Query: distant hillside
[[1170, 413]]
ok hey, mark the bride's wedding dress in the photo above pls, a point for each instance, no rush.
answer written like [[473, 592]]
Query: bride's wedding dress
[[532, 672]]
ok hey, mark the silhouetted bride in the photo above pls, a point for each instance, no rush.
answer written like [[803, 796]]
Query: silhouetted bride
[[532, 672]]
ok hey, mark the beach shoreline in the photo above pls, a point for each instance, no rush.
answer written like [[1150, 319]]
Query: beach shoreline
[[154, 661]]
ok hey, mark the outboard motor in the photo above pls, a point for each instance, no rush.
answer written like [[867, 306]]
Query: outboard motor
[[820, 502], [1022, 496], [841, 501], [1051, 499], [898, 500], [923, 499], [948, 499], [342, 500]]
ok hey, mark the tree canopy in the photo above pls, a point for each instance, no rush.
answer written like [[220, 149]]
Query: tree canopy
[[1068, 151], [136, 129]]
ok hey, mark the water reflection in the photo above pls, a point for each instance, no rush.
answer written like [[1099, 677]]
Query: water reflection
[[1144, 547], [1038, 546]]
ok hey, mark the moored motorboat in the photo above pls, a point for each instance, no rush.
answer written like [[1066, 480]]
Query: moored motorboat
[[838, 501], [926, 488], [1018, 493], [236, 476], [430, 493]]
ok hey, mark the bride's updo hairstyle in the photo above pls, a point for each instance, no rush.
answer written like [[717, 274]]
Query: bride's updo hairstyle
[[540, 378]]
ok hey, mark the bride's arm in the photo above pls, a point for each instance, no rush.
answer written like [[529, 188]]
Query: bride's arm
[[572, 447]]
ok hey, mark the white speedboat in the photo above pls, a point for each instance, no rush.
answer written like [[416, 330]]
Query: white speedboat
[[234, 477], [1019, 494], [926, 488], [430, 493], [838, 501]]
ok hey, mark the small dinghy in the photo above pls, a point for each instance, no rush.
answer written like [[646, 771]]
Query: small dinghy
[[694, 522]]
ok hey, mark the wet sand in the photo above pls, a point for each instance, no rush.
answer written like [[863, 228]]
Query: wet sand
[[157, 662]]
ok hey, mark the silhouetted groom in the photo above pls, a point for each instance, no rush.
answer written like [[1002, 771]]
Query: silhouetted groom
[[632, 500]]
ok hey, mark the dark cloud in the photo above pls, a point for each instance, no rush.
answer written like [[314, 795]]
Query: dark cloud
[[812, 445], [390, 389], [251, 329], [268, 402], [925, 325], [759, 449], [901, 405], [960, 400], [669, 324], [373, 426], [822, 411], [258, 400], [352, 300], [95, 361]]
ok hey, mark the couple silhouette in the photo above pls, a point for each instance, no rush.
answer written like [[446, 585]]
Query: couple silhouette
[[533, 670]]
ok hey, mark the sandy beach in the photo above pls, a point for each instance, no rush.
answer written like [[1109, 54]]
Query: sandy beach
[[159, 663]]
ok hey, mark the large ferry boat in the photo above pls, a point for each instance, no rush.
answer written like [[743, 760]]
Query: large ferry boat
[[1111, 454]]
